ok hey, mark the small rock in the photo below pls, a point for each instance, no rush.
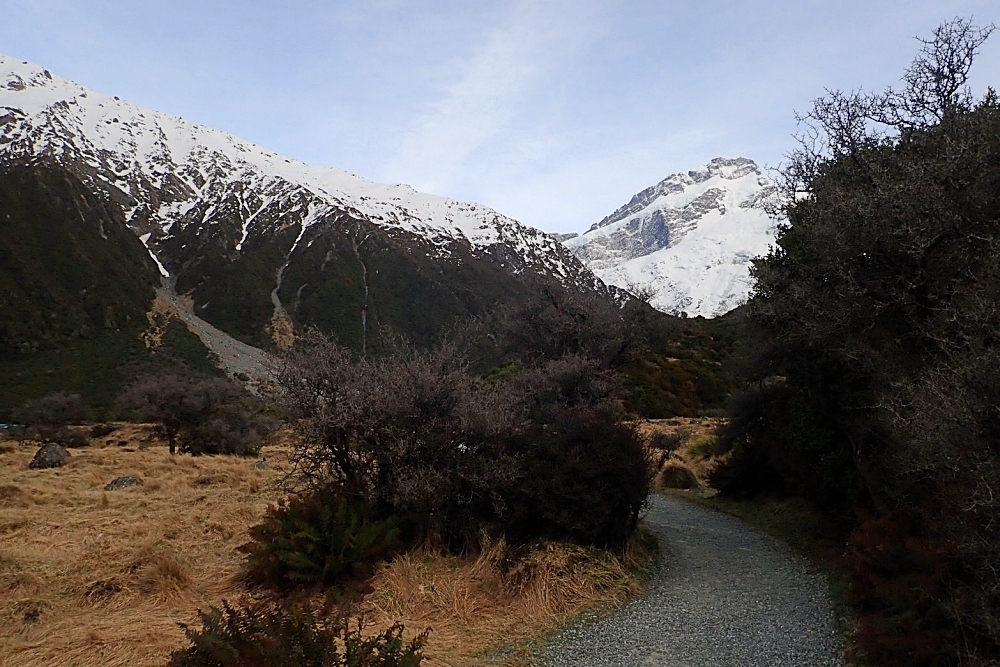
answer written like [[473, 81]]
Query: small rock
[[122, 483], [49, 455], [262, 464]]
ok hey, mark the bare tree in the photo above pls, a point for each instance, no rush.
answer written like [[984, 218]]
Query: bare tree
[[848, 124], [935, 85], [203, 415]]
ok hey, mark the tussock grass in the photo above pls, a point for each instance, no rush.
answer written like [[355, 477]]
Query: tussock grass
[[691, 463], [94, 577], [502, 595], [91, 578]]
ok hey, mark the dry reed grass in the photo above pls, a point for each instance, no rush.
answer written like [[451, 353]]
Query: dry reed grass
[[91, 577], [687, 464], [94, 577], [501, 596]]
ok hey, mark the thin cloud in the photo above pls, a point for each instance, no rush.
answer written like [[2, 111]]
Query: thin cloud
[[487, 88]]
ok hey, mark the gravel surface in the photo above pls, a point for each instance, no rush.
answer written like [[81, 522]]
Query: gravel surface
[[235, 357], [725, 595]]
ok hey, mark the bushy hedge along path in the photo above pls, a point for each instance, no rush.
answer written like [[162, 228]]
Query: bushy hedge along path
[[725, 595]]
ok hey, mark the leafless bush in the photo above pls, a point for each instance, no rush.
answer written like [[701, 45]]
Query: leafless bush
[[418, 436], [201, 415]]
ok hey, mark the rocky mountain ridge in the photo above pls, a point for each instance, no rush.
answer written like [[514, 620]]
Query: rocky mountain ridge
[[255, 238], [688, 240]]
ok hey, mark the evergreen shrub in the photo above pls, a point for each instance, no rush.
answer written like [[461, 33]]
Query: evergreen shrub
[[318, 538], [264, 635]]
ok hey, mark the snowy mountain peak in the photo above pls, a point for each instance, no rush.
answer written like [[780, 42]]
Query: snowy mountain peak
[[265, 245], [727, 169], [689, 238], [172, 173]]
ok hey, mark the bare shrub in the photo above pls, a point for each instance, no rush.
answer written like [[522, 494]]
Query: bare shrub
[[51, 416], [202, 415], [537, 452]]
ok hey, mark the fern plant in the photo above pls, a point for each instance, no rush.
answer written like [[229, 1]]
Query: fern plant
[[319, 538], [265, 635]]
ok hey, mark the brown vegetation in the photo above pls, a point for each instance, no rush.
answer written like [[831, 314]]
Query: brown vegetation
[[95, 577], [503, 596], [681, 450]]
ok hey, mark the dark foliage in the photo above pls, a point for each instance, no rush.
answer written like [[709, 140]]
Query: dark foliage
[[51, 418], [260, 635], [874, 364], [318, 538], [782, 444], [52, 412], [585, 480], [900, 575], [75, 284], [668, 365], [554, 321], [420, 437], [201, 415], [69, 266]]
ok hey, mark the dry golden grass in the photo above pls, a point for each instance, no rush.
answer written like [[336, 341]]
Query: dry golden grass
[[674, 471], [91, 577], [95, 577], [501, 596]]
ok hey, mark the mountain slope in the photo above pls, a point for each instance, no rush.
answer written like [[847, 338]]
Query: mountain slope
[[688, 239], [261, 242], [75, 288]]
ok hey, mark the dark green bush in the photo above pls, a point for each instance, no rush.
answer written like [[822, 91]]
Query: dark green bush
[[780, 444], [874, 353], [586, 479], [268, 636], [318, 538]]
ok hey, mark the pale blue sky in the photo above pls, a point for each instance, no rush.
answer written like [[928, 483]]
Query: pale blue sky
[[552, 112]]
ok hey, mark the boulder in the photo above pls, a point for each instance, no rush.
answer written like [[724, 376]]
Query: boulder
[[122, 483], [49, 455]]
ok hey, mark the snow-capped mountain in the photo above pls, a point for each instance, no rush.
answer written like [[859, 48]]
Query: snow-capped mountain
[[688, 239], [215, 211]]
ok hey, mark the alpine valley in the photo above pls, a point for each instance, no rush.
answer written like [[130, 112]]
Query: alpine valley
[[114, 215]]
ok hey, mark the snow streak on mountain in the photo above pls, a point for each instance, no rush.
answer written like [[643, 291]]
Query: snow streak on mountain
[[689, 238], [170, 175]]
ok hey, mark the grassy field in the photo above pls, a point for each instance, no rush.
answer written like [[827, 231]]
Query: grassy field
[[92, 577]]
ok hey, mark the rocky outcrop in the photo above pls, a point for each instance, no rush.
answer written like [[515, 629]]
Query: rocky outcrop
[[49, 455], [119, 483]]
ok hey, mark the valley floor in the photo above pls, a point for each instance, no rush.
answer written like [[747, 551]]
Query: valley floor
[[92, 578]]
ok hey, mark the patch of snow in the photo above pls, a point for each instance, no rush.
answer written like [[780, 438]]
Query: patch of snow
[[145, 241]]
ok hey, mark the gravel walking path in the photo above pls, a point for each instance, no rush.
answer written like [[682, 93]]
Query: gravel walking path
[[726, 595]]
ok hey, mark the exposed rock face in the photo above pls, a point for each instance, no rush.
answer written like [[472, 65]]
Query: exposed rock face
[[689, 238], [49, 455], [254, 238], [119, 483]]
